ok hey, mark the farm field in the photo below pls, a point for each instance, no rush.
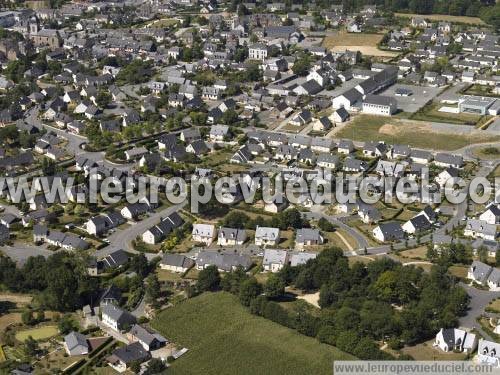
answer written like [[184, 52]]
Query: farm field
[[365, 43], [40, 333], [415, 134], [444, 17], [223, 338]]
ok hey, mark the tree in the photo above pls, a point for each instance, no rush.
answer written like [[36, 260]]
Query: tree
[[208, 279], [30, 347], [249, 290], [325, 225], [66, 324], [27, 317], [155, 366], [482, 254], [497, 258], [275, 286], [103, 98], [139, 264], [153, 288], [135, 367], [301, 67]]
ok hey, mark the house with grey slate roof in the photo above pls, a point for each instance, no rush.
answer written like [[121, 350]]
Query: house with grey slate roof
[[225, 262], [76, 344], [116, 318], [149, 339], [479, 272], [307, 237], [176, 263]]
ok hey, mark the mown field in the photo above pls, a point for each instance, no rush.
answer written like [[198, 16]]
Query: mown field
[[416, 134], [224, 338], [364, 42], [40, 333], [444, 17]]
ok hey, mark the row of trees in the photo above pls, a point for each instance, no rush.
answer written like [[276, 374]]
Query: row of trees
[[291, 218]]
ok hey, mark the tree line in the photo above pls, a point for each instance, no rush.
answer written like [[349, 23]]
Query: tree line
[[361, 305]]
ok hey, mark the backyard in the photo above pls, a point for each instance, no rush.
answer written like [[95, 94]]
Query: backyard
[[224, 338]]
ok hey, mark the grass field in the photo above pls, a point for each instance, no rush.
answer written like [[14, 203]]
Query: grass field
[[426, 351], [223, 338], [41, 333], [415, 134], [491, 153], [430, 112], [444, 17], [365, 43]]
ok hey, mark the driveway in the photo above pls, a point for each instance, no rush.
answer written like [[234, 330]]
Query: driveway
[[122, 238], [478, 302]]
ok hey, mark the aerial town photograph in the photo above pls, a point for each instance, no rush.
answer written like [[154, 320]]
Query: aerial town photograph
[[226, 187]]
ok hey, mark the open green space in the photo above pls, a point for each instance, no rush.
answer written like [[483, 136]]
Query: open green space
[[413, 133], [224, 338], [40, 333]]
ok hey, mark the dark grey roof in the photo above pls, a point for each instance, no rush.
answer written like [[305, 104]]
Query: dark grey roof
[[116, 259], [380, 100], [226, 261], [122, 317], [130, 353], [177, 260]]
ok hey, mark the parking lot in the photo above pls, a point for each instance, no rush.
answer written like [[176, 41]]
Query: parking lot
[[414, 102]]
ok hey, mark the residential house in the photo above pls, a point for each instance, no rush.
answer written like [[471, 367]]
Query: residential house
[[176, 263], [116, 259], [455, 340], [160, 231], [266, 236], [116, 318], [204, 233], [122, 358], [307, 237], [231, 236], [225, 262], [274, 260], [491, 215], [480, 229], [387, 232], [488, 352], [479, 272], [417, 224], [149, 339], [76, 344]]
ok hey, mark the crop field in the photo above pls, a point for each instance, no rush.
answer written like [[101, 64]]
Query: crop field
[[224, 338]]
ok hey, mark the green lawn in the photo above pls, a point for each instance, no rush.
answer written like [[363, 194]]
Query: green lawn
[[40, 333], [413, 133], [223, 338]]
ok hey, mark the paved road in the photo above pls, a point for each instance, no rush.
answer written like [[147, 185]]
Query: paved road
[[122, 238], [479, 300], [21, 252], [360, 239]]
